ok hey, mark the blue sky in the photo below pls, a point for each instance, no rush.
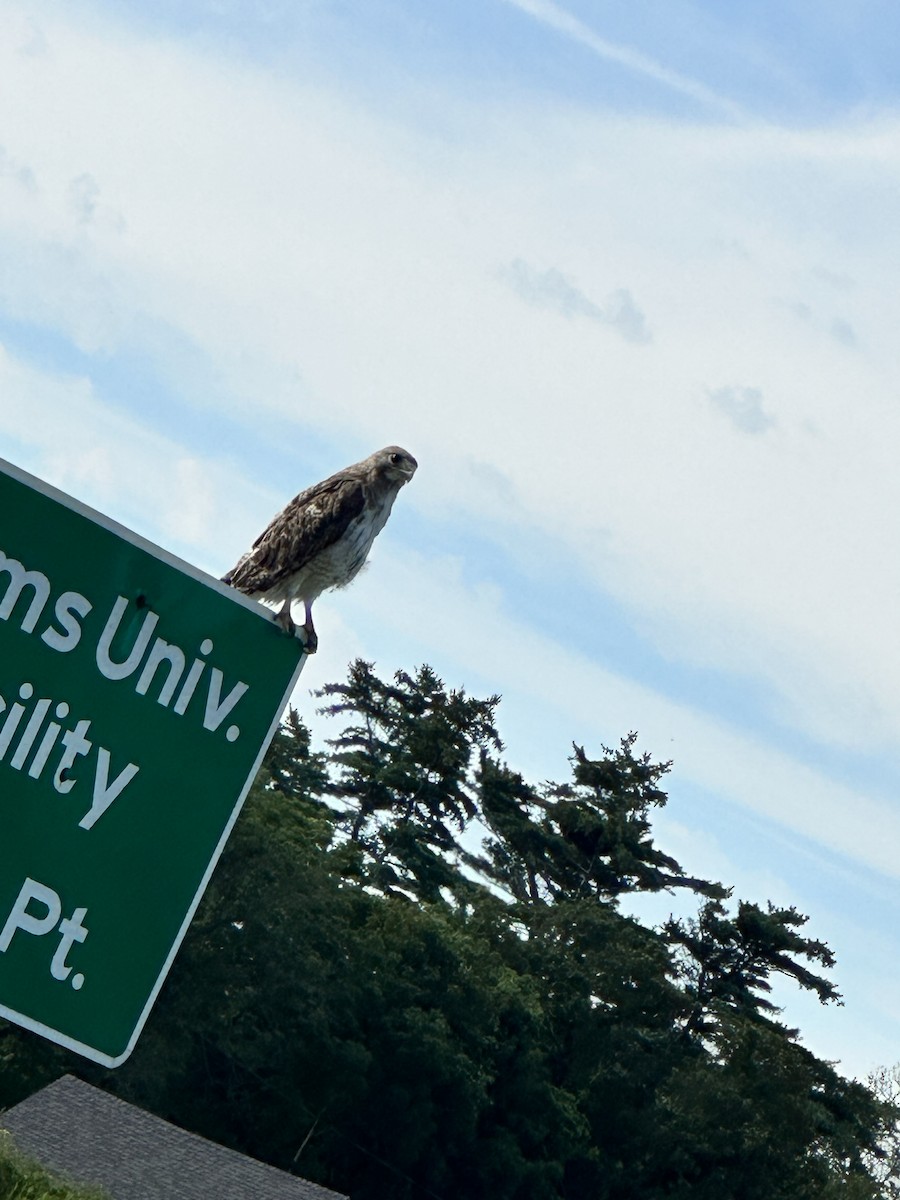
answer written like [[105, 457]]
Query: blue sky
[[621, 277]]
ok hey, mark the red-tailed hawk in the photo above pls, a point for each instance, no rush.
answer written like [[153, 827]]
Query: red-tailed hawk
[[323, 537]]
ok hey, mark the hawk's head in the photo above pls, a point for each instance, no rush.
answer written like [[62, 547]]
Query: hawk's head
[[394, 464]]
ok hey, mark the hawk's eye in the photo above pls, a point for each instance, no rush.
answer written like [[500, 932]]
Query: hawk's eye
[[395, 459]]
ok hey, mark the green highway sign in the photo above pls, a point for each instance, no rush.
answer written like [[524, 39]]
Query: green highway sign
[[137, 697]]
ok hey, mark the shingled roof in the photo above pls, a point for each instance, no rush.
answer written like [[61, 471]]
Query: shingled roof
[[92, 1137]]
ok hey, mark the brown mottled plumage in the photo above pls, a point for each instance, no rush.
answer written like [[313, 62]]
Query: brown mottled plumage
[[322, 538]]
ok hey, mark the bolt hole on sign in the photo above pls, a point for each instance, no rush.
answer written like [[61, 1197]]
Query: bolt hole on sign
[[137, 697]]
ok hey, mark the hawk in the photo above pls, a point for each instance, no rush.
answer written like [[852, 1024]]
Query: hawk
[[322, 538]]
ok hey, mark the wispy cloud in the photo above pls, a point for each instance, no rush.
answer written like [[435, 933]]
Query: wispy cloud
[[84, 204], [743, 406], [11, 168], [83, 193], [842, 331], [577, 697], [836, 279], [553, 289], [563, 22], [187, 500], [308, 267]]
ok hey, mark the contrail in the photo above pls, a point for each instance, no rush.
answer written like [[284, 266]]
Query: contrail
[[563, 22]]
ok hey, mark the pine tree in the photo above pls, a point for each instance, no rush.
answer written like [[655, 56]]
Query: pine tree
[[412, 976]]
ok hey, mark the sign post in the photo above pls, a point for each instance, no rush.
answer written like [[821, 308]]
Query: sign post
[[137, 697]]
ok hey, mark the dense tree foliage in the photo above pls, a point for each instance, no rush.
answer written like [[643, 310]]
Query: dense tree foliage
[[412, 976]]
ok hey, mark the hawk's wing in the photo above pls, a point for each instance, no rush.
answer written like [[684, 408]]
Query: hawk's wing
[[315, 519]]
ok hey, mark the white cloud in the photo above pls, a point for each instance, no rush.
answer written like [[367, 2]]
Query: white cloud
[[339, 270], [422, 609], [558, 19], [202, 509], [83, 193], [19, 172], [551, 289], [743, 406], [842, 331]]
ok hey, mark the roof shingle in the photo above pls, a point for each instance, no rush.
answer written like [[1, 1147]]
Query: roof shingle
[[94, 1137]]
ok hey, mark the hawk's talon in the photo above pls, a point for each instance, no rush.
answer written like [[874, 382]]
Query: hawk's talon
[[285, 620]]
